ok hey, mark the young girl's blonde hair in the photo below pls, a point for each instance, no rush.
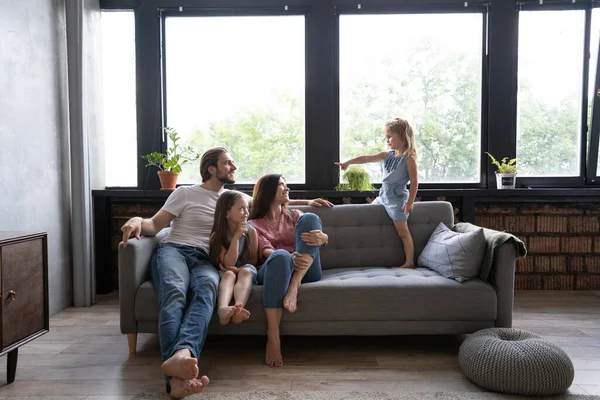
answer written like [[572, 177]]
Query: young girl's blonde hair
[[405, 131]]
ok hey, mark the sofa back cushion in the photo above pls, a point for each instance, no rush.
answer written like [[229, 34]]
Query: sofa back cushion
[[363, 235]]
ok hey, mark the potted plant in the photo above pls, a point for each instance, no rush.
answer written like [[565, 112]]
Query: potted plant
[[358, 180], [506, 175], [170, 163]]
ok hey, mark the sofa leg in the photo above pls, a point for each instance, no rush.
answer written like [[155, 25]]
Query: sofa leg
[[132, 341]]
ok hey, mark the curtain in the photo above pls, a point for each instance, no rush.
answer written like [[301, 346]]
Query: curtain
[[85, 138]]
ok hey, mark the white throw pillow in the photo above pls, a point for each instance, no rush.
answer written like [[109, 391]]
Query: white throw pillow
[[454, 255]]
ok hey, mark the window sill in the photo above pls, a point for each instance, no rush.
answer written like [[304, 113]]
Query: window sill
[[424, 193]]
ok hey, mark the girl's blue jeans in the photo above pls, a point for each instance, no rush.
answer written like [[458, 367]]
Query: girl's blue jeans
[[276, 273]]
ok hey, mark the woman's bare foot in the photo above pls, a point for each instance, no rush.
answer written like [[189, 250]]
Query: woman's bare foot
[[181, 388], [405, 266], [273, 356], [240, 316], [290, 299], [225, 314], [181, 365]]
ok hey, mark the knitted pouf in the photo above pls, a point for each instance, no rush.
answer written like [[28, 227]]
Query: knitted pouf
[[515, 361]]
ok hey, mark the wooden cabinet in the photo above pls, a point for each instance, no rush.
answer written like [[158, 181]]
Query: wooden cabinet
[[24, 292]]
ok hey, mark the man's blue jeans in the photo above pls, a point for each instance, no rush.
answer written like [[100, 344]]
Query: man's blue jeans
[[276, 273], [186, 286]]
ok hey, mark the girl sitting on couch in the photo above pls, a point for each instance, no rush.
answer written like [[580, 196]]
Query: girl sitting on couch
[[233, 248]]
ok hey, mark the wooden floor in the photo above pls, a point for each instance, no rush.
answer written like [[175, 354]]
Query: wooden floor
[[84, 356]]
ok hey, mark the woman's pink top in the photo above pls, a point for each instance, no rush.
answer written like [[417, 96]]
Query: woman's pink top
[[271, 238]]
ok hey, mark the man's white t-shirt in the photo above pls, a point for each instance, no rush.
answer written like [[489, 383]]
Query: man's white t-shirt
[[194, 211]]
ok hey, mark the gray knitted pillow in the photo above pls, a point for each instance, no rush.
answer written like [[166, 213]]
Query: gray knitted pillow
[[454, 255]]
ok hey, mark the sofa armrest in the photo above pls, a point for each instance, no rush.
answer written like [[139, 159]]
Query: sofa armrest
[[133, 271], [498, 267], [503, 278]]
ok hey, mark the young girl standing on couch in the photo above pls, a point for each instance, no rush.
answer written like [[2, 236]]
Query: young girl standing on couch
[[234, 248], [399, 167]]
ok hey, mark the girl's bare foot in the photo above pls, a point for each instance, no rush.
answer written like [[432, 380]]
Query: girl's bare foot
[[405, 266], [240, 316], [225, 314], [181, 388], [181, 365], [273, 356], [290, 300]]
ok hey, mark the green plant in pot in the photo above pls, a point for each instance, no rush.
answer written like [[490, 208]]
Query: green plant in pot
[[506, 175], [357, 179], [170, 164]]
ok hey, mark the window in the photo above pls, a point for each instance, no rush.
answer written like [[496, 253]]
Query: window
[[550, 92], [239, 82], [423, 67], [594, 42], [118, 71]]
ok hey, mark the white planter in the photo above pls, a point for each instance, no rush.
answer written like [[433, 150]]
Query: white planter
[[506, 181]]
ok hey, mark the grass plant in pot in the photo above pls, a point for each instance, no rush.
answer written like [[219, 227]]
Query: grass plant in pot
[[506, 175], [357, 179], [170, 164]]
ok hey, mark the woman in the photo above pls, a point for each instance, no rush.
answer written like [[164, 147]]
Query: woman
[[288, 242]]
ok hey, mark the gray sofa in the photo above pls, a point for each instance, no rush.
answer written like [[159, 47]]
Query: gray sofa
[[358, 294]]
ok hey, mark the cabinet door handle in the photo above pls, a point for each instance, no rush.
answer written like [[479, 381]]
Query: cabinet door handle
[[12, 295]]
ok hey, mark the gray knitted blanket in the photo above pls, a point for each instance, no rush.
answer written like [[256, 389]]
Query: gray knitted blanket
[[493, 240]]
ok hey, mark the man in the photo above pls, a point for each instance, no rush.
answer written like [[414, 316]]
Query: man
[[185, 281]]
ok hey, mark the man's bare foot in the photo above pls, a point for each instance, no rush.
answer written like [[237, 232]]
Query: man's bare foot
[[181, 388], [225, 314], [290, 300], [240, 316], [273, 356], [181, 365]]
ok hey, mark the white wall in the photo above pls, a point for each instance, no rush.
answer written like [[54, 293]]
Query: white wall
[[34, 155]]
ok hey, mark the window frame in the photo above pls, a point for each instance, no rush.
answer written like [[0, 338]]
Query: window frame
[[129, 10], [177, 12], [592, 176], [499, 96], [482, 8], [587, 173]]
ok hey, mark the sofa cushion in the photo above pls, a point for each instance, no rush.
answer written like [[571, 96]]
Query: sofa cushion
[[370, 294], [454, 255], [363, 235]]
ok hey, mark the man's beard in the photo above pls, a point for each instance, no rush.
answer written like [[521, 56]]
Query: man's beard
[[225, 179]]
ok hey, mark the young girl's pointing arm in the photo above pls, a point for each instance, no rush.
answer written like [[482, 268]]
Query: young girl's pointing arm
[[362, 160]]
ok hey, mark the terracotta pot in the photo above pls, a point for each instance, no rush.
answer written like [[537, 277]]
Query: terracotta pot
[[168, 180]]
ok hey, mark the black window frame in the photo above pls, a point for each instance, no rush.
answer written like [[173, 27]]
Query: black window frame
[[499, 95], [588, 153], [482, 8], [592, 175], [182, 12]]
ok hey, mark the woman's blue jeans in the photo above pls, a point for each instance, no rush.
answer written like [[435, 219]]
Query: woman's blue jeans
[[276, 273]]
